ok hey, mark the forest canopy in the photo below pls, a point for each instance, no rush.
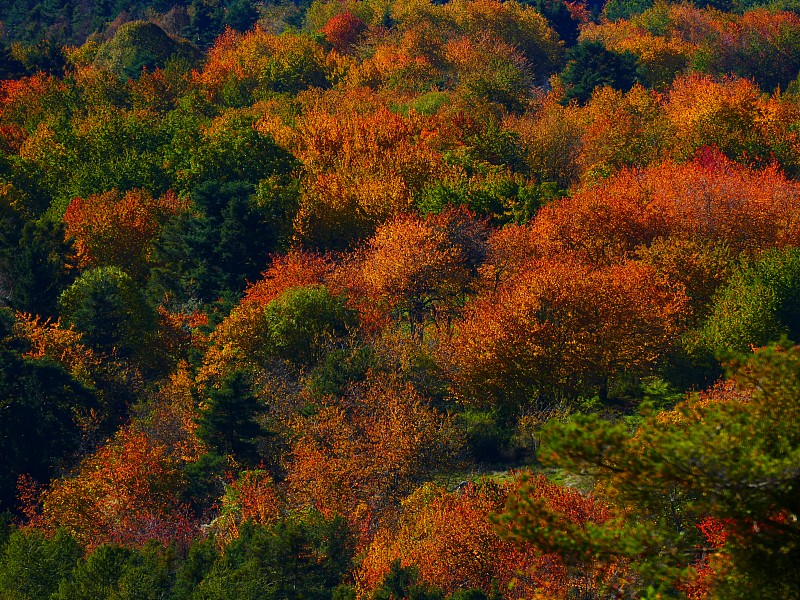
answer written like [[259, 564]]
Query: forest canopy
[[361, 300]]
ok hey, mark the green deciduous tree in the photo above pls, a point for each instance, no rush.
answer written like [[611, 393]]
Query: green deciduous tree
[[760, 304], [142, 44], [110, 309], [304, 321]]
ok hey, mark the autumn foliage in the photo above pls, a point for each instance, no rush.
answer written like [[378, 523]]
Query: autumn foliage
[[114, 229], [708, 199], [241, 67], [564, 325], [343, 31], [124, 493], [359, 455], [420, 270], [291, 292], [455, 541]]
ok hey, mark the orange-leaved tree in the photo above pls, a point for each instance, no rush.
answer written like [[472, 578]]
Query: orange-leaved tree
[[362, 164], [561, 327], [420, 270], [453, 540], [242, 67], [251, 497], [710, 199], [357, 456], [125, 493], [115, 229], [48, 339], [344, 31], [708, 112]]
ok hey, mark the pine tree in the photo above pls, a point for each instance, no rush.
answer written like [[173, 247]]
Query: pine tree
[[229, 422]]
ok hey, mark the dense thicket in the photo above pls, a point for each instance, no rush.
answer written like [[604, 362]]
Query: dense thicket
[[400, 299]]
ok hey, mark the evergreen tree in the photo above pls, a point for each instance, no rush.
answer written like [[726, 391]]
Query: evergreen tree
[[402, 583], [241, 15], [10, 66], [39, 402], [303, 557], [590, 65], [228, 424], [205, 22], [559, 17], [214, 254], [32, 564], [727, 459], [122, 574], [40, 267], [107, 305]]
